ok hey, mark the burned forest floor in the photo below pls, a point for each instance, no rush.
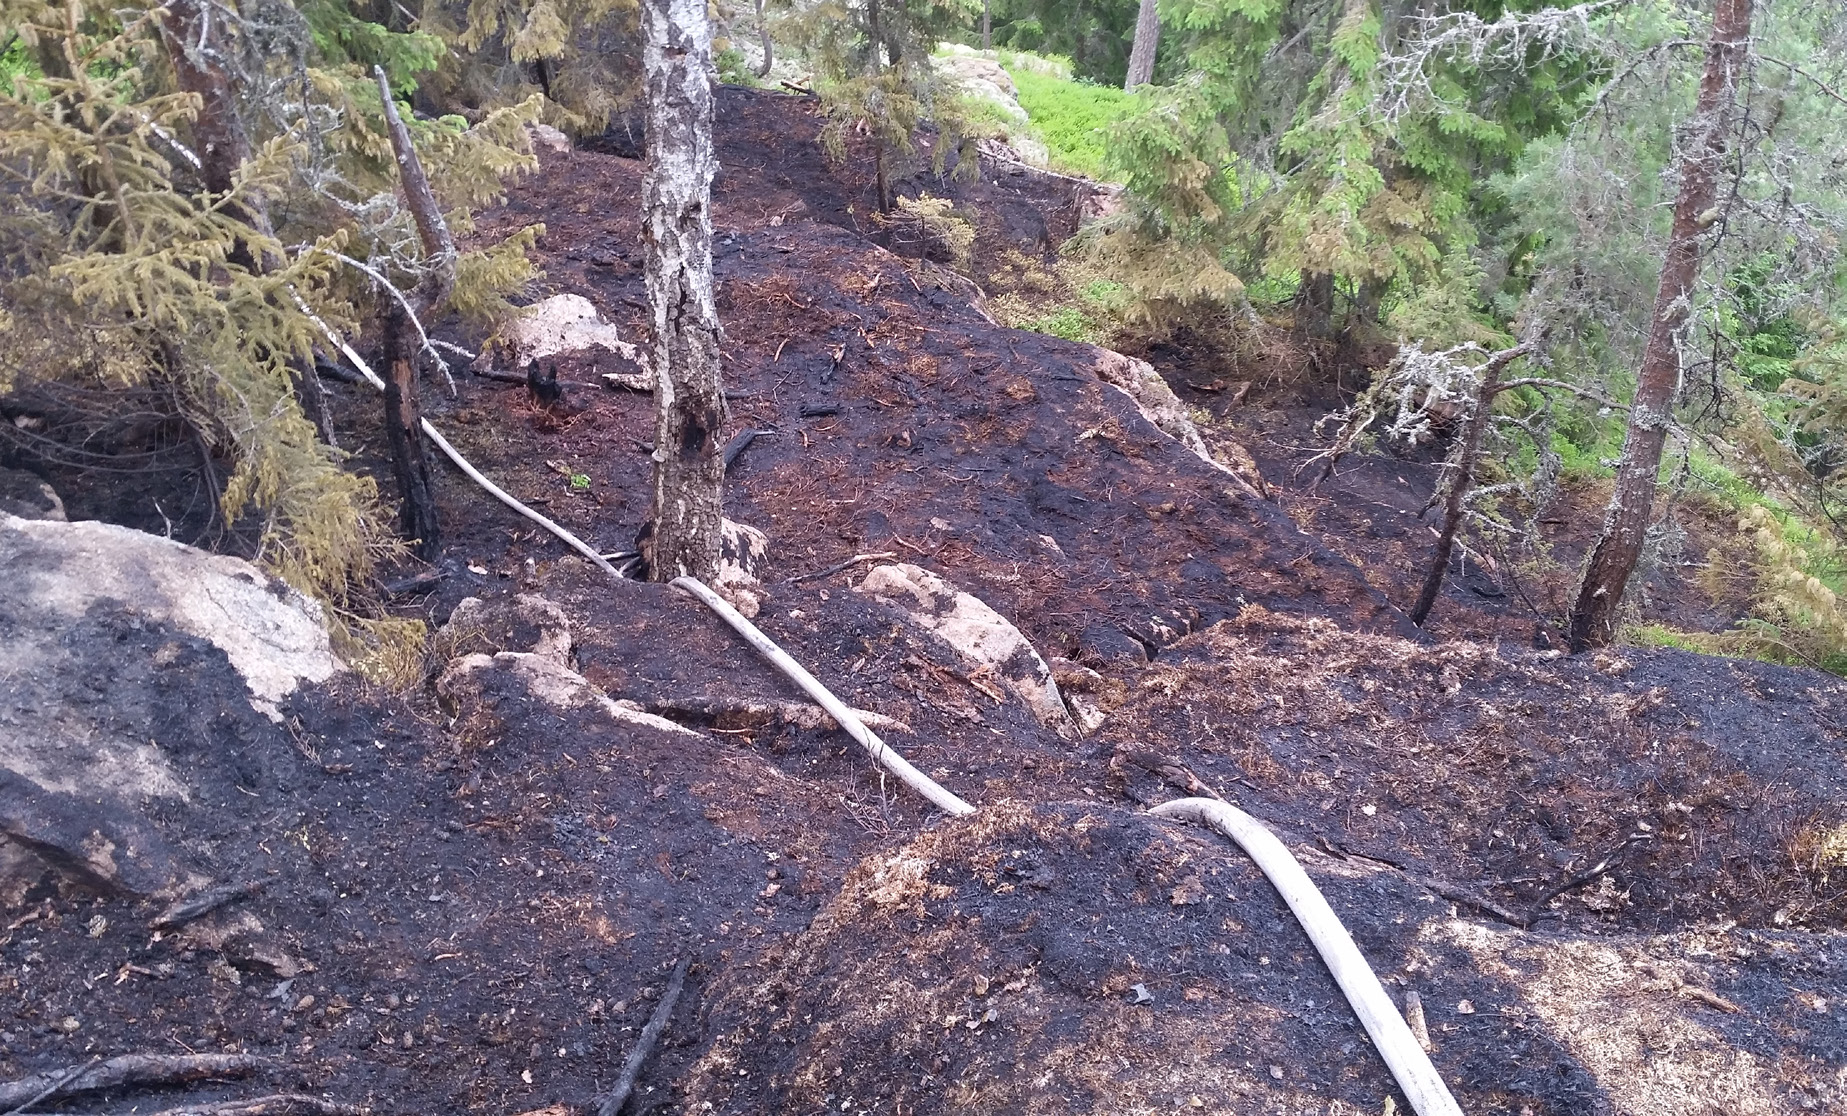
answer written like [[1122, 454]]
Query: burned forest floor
[[459, 883]]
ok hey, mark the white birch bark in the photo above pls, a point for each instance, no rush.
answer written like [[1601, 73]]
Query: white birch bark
[[677, 238]]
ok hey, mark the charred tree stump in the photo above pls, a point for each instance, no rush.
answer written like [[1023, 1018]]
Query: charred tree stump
[[410, 463], [1606, 575]]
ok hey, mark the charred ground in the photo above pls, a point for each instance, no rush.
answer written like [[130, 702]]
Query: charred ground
[[472, 896]]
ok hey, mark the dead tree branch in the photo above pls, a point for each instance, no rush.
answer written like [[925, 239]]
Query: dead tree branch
[[644, 1045], [1463, 476], [276, 1104], [130, 1069], [438, 246], [55, 1087]]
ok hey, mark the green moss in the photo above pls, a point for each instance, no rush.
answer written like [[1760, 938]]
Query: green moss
[[1660, 635], [1069, 117], [1068, 322]]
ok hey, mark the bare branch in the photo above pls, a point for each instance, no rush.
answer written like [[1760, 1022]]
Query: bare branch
[[1517, 40], [1819, 84]]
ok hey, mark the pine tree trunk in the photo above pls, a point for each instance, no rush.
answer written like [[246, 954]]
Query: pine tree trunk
[[1467, 456], [1606, 574], [677, 236], [987, 31], [1147, 37], [196, 47]]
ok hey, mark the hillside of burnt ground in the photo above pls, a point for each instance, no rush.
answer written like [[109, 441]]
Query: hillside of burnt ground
[[1617, 882], [1271, 393]]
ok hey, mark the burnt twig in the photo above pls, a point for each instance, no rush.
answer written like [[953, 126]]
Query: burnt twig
[[276, 1104], [205, 903], [735, 448], [881, 556], [1588, 875], [644, 1045]]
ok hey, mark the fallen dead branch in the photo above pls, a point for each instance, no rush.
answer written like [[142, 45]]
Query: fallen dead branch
[[881, 753], [1419, 1080], [55, 1087], [1168, 769], [644, 1045], [205, 903], [276, 1104], [1414, 1018], [1589, 875], [881, 556], [461, 462], [128, 1069]]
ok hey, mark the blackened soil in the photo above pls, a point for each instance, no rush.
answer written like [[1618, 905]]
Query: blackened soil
[[471, 905]]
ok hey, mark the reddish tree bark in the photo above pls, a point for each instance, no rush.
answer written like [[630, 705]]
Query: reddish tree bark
[[1606, 574], [195, 41]]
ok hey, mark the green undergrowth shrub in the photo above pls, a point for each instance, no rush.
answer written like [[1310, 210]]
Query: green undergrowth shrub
[[124, 276], [1069, 117], [1069, 299]]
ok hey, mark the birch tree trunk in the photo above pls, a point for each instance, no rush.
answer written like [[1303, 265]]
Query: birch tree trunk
[[769, 48], [1147, 37], [1625, 526], [677, 235]]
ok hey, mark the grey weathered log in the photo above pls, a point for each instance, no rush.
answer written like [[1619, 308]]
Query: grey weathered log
[[54, 1088], [644, 1045], [438, 246], [132, 1069], [685, 517], [1147, 38]]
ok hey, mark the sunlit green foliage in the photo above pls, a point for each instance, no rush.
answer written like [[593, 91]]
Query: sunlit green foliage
[[1070, 117]]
